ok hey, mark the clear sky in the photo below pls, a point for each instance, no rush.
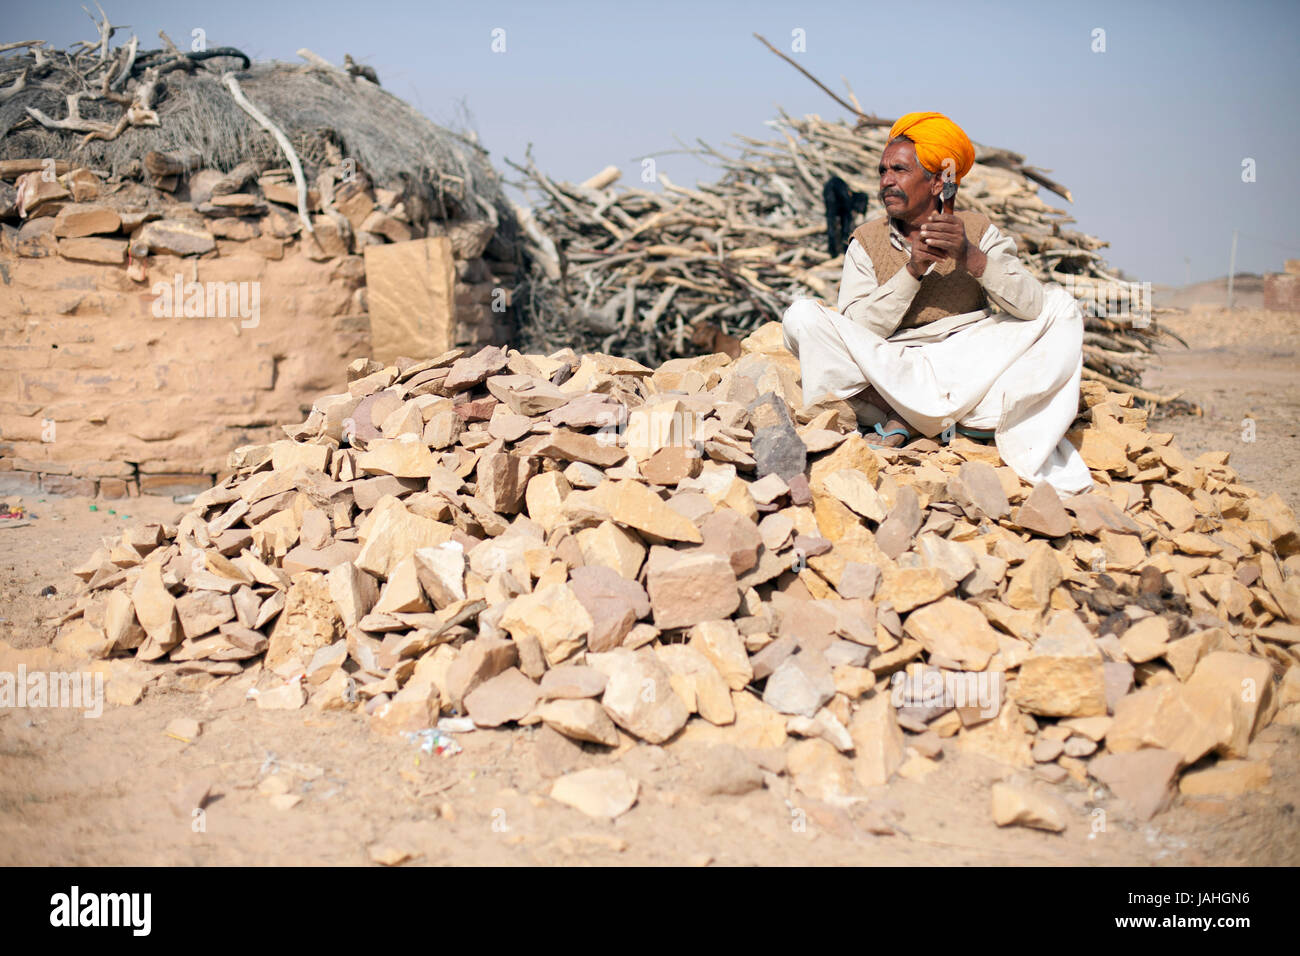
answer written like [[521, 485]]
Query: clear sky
[[1149, 135]]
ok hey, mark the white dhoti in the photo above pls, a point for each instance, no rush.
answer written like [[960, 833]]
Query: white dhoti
[[985, 370]]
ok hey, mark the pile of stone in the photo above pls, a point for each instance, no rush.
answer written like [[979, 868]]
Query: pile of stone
[[690, 553], [183, 209]]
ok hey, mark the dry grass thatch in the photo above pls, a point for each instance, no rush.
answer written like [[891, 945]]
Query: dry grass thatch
[[325, 112]]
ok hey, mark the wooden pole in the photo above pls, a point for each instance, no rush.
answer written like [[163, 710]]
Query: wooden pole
[[1232, 267]]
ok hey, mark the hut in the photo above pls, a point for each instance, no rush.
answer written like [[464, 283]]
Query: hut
[[193, 247]]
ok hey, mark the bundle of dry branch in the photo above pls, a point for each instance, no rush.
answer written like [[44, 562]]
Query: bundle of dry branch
[[634, 271]]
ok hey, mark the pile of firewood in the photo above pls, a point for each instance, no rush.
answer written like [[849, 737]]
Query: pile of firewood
[[662, 273]]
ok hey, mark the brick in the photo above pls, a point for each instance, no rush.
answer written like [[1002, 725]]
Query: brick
[[67, 486], [172, 485]]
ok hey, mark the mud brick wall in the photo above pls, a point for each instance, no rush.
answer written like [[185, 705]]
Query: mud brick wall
[[99, 394], [1282, 291], [105, 389]]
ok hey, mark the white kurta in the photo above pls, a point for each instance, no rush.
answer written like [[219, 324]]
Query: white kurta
[[1014, 371]]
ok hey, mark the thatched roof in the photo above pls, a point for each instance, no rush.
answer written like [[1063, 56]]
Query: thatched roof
[[325, 112]]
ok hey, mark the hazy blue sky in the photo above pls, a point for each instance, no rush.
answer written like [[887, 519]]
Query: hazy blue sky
[[1149, 135]]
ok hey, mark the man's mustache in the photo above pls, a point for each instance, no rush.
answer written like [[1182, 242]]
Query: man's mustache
[[891, 192]]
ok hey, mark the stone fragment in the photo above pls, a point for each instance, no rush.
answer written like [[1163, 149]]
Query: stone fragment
[[94, 249], [308, 622], [818, 770], [612, 547], [554, 616], [775, 530], [877, 741], [896, 532], [121, 628], [1227, 778], [507, 696], [1063, 675], [697, 682], [1247, 684], [733, 536], [479, 660], [801, 684], [441, 573], [399, 457], [572, 682], [1030, 585], [1144, 779], [1146, 640], [687, 587], [287, 696], [858, 580], [85, 219], [474, 369], [1173, 507], [1173, 717], [580, 720], [632, 504], [1020, 806], [909, 588], [768, 489], [778, 450], [155, 609], [639, 694], [614, 602], [402, 592], [668, 466], [502, 479], [977, 490], [720, 642], [1042, 513], [1095, 513], [395, 533], [566, 445], [957, 560], [955, 631], [602, 792], [854, 453], [203, 611], [544, 498], [177, 237]]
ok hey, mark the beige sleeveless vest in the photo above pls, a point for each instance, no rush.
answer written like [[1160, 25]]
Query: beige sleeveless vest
[[946, 291]]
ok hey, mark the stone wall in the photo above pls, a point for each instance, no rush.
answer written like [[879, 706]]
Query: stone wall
[[110, 385]]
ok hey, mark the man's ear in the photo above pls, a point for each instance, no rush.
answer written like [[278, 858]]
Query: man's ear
[[936, 185]]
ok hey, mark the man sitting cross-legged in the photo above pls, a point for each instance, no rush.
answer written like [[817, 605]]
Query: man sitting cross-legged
[[940, 327]]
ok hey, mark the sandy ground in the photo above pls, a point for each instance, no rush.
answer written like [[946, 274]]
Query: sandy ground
[[110, 790]]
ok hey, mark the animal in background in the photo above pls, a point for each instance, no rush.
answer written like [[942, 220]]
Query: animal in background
[[842, 205]]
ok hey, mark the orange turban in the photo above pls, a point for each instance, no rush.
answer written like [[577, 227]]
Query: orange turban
[[937, 138]]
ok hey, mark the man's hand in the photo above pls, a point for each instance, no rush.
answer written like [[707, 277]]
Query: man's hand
[[923, 254], [945, 232]]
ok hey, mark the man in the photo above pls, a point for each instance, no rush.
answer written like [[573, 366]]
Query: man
[[940, 328]]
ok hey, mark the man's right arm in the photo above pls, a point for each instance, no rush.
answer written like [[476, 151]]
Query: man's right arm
[[879, 308]]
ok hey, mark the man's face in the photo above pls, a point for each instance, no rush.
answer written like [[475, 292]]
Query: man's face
[[904, 190]]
